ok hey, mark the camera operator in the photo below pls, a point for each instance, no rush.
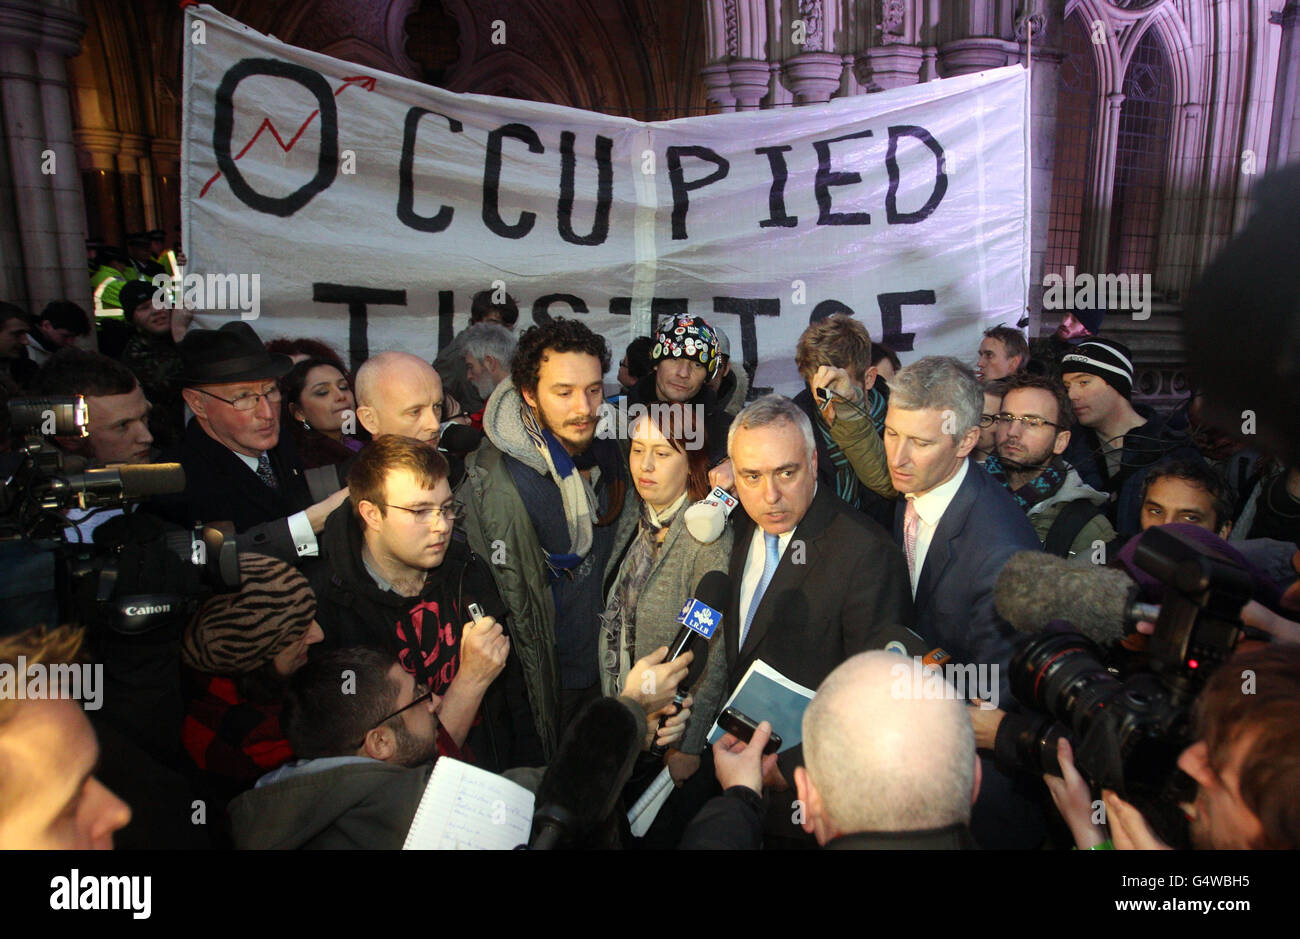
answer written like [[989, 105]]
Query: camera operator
[[1243, 762], [117, 415]]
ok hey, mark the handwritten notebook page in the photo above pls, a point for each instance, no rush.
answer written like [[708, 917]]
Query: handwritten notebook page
[[467, 808]]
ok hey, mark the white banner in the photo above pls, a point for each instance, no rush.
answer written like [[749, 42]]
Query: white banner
[[371, 208]]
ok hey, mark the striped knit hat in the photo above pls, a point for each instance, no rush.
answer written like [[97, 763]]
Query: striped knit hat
[[235, 633], [1105, 358]]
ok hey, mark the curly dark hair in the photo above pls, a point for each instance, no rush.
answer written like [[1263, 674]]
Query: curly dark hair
[[559, 335]]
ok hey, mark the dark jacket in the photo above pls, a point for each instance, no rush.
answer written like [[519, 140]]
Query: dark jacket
[[716, 421], [219, 486], [1144, 446], [424, 632], [733, 821], [499, 527], [825, 603], [156, 363], [982, 527], [363, 805]]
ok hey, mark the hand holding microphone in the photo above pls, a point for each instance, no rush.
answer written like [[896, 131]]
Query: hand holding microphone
[[653, 680]]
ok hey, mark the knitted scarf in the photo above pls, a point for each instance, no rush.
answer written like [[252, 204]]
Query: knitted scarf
[[580, 507], [1043, 486], [618, 622]]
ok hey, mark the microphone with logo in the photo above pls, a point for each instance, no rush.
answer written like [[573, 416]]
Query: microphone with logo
[[700, 618]]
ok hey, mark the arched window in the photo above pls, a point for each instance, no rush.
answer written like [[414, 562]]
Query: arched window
[[1140, 152], [1076, 115]]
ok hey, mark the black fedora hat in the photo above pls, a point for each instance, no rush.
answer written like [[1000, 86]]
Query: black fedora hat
[[229, 354]]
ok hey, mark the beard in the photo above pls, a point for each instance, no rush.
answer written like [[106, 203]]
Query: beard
[[412, 750], [1031, 462], [575, 441]]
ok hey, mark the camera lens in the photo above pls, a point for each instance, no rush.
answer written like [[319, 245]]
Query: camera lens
[[1062, 675]]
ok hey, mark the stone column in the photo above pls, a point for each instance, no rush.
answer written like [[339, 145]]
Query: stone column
[[1092, 253], [48, 217], [891, 66], [1284, 135], [750, 82], [717, 86], [814, 76]]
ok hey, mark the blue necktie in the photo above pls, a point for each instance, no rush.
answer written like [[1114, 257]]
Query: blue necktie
[[265, 473], [770, 560]]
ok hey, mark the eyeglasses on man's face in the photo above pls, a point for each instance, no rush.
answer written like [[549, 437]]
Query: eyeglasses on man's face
[[248, 399], [452, 512], [420, 699], [1006, 420]]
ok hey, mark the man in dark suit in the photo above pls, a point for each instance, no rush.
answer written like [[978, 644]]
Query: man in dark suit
[[812, 581], [957, 527], [237, 466]]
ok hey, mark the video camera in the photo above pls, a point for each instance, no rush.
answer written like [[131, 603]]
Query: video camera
[[138, 575], [1127, 733]]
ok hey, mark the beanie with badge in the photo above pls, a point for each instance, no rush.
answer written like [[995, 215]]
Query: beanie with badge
[[687, 337], [1108, 360]]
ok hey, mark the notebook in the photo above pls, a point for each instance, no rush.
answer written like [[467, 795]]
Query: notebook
[[764, 694], [467, 808]]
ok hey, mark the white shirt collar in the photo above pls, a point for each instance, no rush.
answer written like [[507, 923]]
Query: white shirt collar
[[249, 461], [931, 506]]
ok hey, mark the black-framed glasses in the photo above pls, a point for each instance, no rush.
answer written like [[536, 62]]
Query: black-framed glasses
[[986, 420], [249, 399], [419, 700], [1006, 419], [451, 513]]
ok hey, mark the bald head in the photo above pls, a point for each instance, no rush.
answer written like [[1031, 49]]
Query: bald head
[[885, 752], [399, 393]]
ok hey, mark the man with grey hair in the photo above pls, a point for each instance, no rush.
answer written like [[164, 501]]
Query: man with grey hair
[[957, 527], [489, 347], [812, 581], [889, 764]]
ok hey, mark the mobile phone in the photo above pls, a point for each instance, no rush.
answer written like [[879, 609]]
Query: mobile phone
[[824, 396], [476, 612], [742, 727]]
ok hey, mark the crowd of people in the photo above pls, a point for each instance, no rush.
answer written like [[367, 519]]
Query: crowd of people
[[448, 560]]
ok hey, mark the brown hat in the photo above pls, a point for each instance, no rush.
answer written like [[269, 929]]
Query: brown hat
[[235, 633]]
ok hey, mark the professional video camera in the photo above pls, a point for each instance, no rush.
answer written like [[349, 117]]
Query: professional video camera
[[1127, 733], [138, 575]]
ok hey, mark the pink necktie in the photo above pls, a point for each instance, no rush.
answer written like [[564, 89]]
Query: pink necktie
[[911, 522]]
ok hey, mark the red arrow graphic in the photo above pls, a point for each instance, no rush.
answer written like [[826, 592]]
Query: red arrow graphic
[[367, 83]]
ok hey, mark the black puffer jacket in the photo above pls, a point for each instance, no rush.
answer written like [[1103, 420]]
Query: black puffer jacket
[[423, 632]]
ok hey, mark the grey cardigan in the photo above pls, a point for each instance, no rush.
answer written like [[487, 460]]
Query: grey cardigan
[[678, 567]]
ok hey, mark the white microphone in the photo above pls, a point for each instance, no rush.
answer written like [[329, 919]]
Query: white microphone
[[706, 519]]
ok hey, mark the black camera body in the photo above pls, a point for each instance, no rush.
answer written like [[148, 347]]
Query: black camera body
[[139, 575], [1127, 731]]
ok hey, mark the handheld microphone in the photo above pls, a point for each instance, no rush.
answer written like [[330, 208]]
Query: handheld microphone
[[582, 785], [904, 642], [706, 519], [700, 617], [1034, 588]]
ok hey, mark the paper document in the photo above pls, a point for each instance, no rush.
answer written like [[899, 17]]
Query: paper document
[[764, 694], [467, 808]]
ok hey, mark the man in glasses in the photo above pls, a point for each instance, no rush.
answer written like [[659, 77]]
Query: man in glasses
[[1032, 430], [392, 577], [237, 467]]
